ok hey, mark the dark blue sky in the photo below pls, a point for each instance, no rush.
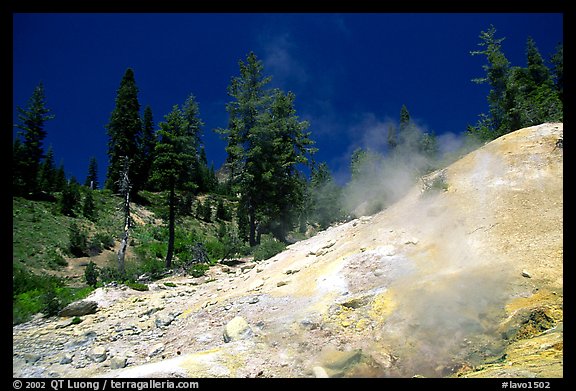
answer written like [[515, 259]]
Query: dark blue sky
[[351, 73]]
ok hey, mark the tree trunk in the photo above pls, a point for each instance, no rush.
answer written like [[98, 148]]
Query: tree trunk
[[125, 189], [252, 223], [171, 217]]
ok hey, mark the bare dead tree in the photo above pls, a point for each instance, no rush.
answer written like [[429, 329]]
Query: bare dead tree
[[125, 187]]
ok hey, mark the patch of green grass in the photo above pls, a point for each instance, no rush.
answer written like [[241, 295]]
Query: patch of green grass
[[137, 286]]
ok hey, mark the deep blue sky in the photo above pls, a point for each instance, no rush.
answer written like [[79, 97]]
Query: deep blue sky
[[351, 73]]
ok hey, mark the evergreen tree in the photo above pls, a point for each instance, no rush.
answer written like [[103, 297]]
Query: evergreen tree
[[92, 177], [60, 178], [175, 154], [47, 173], [30, 151], [124, 130], [541, 96], [266, 144], [88, 207], [325, 197], [497, 72], [557, 61], [404, 119], [145, 151], [70, 198]]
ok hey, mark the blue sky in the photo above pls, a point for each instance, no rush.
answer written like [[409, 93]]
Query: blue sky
[[350, 72]]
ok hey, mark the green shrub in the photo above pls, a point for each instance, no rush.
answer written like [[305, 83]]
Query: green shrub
[[76, 320], [199, 269], [91, 274], [137, 286], [267, 249], [78, 240]]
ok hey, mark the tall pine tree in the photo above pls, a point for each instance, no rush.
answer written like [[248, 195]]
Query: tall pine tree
[[175, 154], [266, 143], [124, 131], [145, 155], [29, 152], [92, 177]]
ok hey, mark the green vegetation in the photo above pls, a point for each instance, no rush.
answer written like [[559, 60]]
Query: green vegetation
[[518, 97]]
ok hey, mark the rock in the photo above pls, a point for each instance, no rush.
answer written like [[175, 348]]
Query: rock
[[281, 283], [79, 308], [164, 320], [336, 362], [66, 358], [156, 349], [319, 372], [237, 329], [97, 354], [31, 357], [526, 274], [253, 300], [118, 362]]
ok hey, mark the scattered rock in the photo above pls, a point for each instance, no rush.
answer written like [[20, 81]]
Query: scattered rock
[[97, 354], [31, 357], [156, 349], [79, 308], [253, 300], [526, 274], [281, 283], [319, 372], [237, 329], [66, 358], [164, 320], [336, 362], [118, 362]]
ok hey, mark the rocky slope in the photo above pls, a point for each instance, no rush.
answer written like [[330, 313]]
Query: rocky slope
[[466, 281]]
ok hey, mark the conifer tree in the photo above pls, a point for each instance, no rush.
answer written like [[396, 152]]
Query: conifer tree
[[30, 151], [124, 130], [266, 143], [175, 154], [92, 177], [145, 151], [47, 173]]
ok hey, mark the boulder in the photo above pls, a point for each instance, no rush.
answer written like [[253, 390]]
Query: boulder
[[79, 308], [97, 354], [237, 329]]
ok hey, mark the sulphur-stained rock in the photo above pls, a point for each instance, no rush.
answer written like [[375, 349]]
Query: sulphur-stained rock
[[237, 329], [79, 308]]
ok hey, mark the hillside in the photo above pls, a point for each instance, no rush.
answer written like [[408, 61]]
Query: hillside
[[459, 280]]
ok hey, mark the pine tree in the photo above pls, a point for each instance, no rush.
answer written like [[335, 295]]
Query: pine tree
[[60, 178], [47, 174], [70, 198], [265, 145], [497, 73], [145, 151], [124, 130], [175, 154], [92, 177], [88, 206], [30, 152], [557, 61], [325, 197]]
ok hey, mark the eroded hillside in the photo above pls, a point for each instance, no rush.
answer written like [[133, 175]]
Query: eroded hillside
[[464, 279]]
